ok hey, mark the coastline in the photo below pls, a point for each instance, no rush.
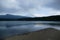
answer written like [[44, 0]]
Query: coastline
[[38, 35]]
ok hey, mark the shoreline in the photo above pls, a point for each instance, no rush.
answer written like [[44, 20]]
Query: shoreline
[[27, 36]]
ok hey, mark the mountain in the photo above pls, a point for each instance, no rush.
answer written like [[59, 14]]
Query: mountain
[[45, 34], [9, 16], [48, 18]]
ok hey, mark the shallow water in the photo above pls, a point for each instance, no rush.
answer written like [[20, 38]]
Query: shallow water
[[8, 28]]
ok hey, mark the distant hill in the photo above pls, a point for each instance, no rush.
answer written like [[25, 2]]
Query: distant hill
[[45, 34], [9, 16], [48, 18]]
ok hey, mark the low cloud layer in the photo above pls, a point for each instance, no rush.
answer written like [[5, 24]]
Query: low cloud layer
[[30, 7], [54, 4]]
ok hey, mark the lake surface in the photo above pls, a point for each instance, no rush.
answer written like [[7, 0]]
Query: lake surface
[[8, 28]]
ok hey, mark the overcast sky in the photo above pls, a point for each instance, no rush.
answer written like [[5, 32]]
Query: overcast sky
[[36, 8]]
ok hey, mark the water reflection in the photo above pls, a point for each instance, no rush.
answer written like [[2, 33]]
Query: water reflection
[[8, 28]]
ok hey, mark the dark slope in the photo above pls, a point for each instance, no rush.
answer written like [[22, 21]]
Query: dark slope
[[49, 18], [9, 16], [24, 18]]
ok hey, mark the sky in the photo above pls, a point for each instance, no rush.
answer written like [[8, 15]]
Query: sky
[[33, 8]]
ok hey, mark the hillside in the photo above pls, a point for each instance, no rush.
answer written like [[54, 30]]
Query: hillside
[[45, 34], [9, 16], [48, 18]]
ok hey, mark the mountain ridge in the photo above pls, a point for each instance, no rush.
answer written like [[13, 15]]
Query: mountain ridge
[[9, 16], [25, 18]]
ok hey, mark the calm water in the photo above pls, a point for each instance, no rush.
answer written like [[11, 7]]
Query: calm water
[[8, 28]]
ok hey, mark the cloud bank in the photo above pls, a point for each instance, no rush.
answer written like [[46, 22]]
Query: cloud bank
[[30, 7]]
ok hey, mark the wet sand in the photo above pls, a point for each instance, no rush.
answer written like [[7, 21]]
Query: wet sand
[[45, 34]]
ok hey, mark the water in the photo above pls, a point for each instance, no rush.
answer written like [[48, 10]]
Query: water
[[8, 28]]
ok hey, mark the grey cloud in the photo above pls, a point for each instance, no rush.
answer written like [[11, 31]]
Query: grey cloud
[[7, 10], [3, 9], [22, 7], [54, 4], [25, 6]]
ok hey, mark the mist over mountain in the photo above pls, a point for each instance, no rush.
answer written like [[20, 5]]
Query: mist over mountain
[[9, 16], [25, 18], [47, 18]]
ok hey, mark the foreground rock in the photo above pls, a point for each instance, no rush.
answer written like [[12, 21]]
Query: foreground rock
[[46, 34]]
